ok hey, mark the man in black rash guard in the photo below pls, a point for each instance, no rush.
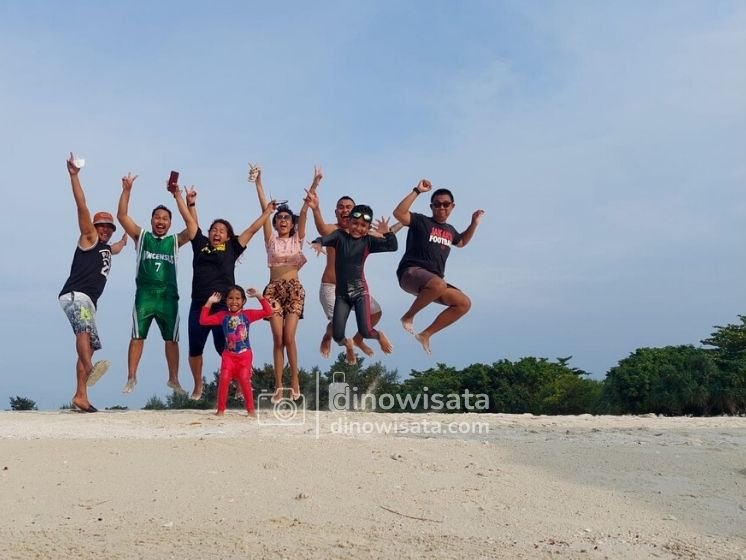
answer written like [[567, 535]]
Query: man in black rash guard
[[351, 288]]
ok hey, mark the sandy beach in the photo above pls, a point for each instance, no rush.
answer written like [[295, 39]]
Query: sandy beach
[[189, 485]]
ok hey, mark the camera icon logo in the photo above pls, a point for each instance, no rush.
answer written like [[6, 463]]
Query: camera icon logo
[[339, 393], [282, 412]]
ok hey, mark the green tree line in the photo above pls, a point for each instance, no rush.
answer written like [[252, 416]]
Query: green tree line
[[672, 380]]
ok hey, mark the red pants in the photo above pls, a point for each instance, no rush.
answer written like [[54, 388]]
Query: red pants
[[239, 367]]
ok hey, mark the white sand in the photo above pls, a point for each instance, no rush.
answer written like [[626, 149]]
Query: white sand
[[188, 485]]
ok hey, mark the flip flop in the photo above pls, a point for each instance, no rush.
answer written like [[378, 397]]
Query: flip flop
[[89, 408], [97, 371]]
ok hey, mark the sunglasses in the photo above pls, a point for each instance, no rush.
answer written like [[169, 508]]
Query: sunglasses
[[283, 218], [357, 215], [441, 204]]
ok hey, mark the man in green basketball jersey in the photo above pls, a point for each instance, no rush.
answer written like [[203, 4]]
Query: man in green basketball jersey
[[157, 295]]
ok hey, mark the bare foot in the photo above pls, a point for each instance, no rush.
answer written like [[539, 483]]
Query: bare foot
[[277, 396], [385, 343], [129, 386], [408, 324], [175, 386], [220, 413], [359, 341], [326, 346], [295, 391], [197, 393], [425, 341], [350, 357], [251, 414]]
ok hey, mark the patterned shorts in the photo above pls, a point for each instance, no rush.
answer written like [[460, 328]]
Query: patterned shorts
[[81, 313], [286, 296]]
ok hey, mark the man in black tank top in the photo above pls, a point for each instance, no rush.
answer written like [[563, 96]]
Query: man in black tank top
[[79, 295]]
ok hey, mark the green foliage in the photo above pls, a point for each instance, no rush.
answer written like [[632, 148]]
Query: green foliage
[[727, 386], [533, 385], [22, 403], [673, 380], [154, 403], [118, 407]]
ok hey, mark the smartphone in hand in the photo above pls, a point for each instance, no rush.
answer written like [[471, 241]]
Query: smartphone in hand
[[173, 181]]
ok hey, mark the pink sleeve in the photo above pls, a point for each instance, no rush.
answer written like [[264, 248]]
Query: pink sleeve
[[207, 320]]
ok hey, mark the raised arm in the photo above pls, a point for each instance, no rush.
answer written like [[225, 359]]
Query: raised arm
[[401, 212], [129, 225], [312, 200], [303, 214], [190, 193], [117, 247], [187, 234], [88, 233], [249, 232], [468, 233], [266, 226]]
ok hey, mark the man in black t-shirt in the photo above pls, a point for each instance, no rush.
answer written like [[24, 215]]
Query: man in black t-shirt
[[79, 295], [422, 268]]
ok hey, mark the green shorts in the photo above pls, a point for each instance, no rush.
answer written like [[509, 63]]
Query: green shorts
[[162, 307]]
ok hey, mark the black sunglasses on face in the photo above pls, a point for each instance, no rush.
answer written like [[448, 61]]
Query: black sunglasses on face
[[441, 204], [357, 215]]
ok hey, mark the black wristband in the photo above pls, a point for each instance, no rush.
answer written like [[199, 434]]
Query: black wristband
[[416, 190], [192, 205]]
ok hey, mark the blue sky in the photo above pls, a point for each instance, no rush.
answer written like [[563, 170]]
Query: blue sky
[[605, 142]]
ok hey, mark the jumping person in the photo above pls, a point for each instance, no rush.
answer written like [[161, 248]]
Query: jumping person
[[327, 289], [351, 292], [213, 270], [157, 294], [79, 296], [285, 292], [421, 270], [237, 358]]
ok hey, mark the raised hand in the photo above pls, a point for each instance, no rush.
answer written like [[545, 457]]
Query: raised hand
[[317, 174], [128, 180], [72, 169], [253, 292], [123, 241], [190, 194], [382, 225], [312, 199], [255, 173], [318, 248], [476, 217], [214, 298], [424, 186]]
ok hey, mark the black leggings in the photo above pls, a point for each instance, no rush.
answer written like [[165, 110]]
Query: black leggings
[[342, 306]]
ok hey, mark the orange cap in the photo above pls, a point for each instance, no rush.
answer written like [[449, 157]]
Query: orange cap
[[100, 218]]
